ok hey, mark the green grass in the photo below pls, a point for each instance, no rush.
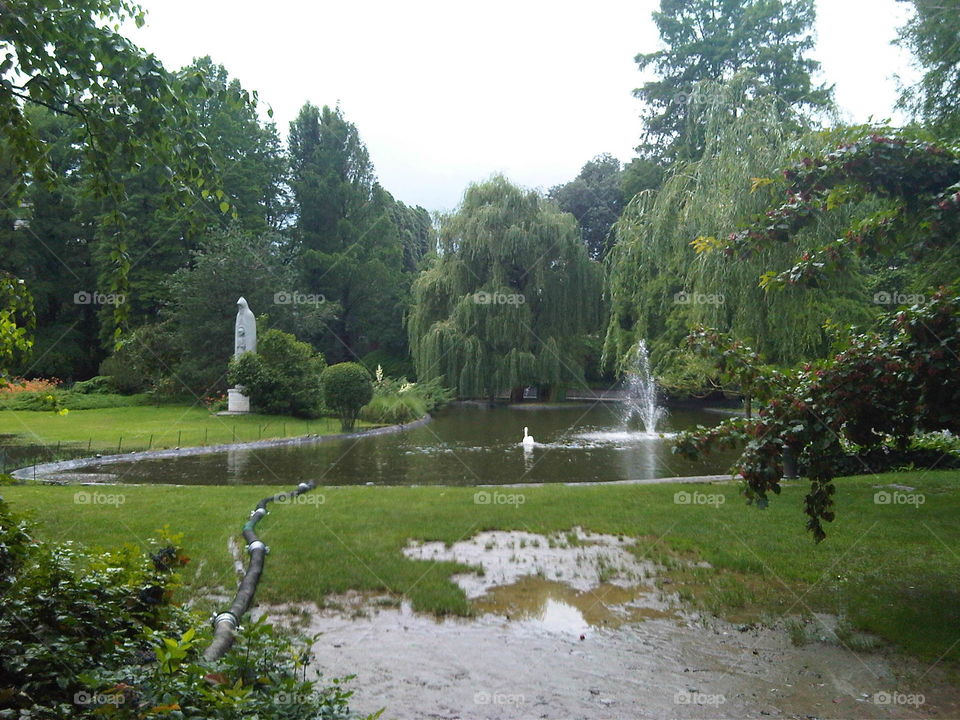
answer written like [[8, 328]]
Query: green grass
[[164, 426], [891, 570]]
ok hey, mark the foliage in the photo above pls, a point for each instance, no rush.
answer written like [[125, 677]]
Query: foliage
[[161, 235], [45, 239], [346, 389], [393, 365], [764, 42], [595, 199], [879, 386], [931, 35], [46, 400], [638, 175], [282, 377], [399, 401], [349, 247], [508, 298], [129, 112], [659, 289], [917, 181], [21, 385], [16, 321], [97, 385], [230, 264], [97, 636]]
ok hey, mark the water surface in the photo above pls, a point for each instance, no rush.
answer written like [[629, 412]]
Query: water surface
[[464, 445]]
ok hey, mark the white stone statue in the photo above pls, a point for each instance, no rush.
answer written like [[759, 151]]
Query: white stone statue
[[244, 340], [245, 330]]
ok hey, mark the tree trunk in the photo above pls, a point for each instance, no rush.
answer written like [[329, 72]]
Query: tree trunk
[[516, 394]]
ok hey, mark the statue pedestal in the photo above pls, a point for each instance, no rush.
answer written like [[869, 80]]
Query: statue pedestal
[[237, 402]]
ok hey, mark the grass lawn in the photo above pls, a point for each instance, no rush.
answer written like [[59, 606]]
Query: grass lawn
[[163, 426], [890, 569]]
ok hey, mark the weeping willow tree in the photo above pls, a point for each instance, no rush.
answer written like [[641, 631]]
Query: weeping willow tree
[[510, 298], [660, 287]]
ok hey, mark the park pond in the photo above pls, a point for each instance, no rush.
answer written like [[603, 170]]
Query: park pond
[[462, 445]]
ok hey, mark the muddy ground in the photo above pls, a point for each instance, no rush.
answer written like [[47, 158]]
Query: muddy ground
[[572, 626]]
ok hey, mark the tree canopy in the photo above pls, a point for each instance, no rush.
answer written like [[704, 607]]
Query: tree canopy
[[931, 35], [595, 199], [766, 43], [510, 297]]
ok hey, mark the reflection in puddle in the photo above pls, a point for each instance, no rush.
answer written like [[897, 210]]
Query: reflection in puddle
[[556, 607]]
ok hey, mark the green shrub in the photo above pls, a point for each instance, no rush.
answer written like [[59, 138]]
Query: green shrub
[[399, 401], [282, 377], [143, 360], [393, 409], [98, 384], [347, 387], [70, 400], [95, 636]]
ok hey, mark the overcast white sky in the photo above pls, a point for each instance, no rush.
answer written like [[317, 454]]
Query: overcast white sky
[[445, 94]]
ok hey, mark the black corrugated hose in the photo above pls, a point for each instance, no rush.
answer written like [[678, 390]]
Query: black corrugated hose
[[226, 623]]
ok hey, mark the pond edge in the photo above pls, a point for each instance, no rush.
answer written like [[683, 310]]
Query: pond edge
[[38, 472]]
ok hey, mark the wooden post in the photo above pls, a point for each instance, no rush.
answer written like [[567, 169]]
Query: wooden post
[[119, 444], [179, 432]]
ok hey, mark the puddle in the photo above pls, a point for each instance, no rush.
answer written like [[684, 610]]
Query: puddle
[[555, 607], [579, 559]]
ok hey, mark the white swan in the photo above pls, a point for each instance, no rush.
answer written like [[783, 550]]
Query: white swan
[[527, 439]]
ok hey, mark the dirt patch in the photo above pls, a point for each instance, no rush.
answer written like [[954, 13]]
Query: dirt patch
[[572, 626]]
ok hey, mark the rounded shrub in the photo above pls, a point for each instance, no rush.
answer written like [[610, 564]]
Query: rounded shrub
[[347, 387]]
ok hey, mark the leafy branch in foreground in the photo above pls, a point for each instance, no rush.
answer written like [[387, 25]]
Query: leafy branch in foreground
[[98, 635], [130, 112], [916, 181], [881, 387]]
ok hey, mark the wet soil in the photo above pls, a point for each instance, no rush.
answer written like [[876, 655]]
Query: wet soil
[[572, 626]]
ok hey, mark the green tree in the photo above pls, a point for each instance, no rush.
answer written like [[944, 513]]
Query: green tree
[[660, 288], [764, 42], [509, 299], [638, 175], [350, 248], [161, 234], [931, 35], [130, 111], [45, 240], [282, 377], [595, 199], [347, 387]]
